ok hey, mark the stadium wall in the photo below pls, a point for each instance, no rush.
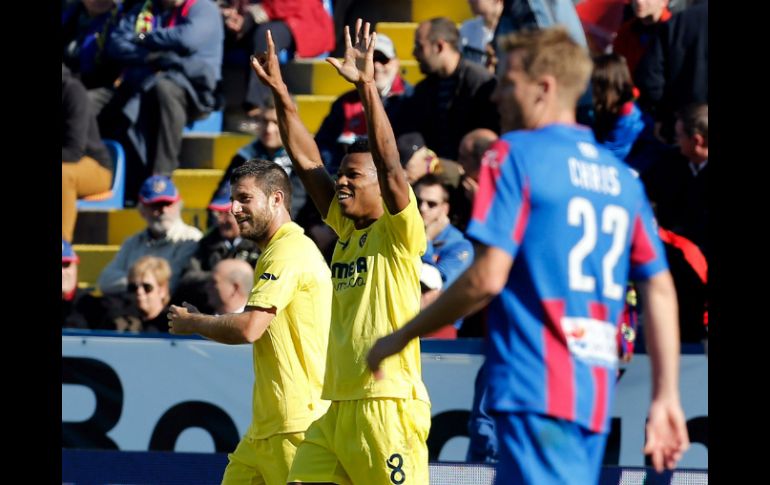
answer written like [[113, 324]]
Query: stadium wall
[[192, 395]]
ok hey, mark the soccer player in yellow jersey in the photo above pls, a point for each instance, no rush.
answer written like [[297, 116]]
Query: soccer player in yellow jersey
[[375, 431], [286, 319]]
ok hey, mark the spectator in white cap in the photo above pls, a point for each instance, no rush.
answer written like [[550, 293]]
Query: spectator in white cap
[[166, 236], [345, 121]]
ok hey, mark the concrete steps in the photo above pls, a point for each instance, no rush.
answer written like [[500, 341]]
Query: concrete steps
[[211, 151], [114, 226], [314, 77], [457, 10], [93, 258]]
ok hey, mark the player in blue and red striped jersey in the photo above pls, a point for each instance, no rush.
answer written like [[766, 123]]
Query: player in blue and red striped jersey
[[578, 226]]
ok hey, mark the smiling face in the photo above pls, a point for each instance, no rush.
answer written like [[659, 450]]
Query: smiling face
[[253, 210], [358, 190]]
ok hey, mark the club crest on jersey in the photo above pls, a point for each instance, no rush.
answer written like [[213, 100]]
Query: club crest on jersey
[[362, 241], [588, 150], [490, 159]]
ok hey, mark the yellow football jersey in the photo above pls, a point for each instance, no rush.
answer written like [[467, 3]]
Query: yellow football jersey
[[289, 359], [376, 280]]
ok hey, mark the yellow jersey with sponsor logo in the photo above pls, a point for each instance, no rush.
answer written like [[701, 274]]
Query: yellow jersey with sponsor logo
[[290, 357], [376, 280]]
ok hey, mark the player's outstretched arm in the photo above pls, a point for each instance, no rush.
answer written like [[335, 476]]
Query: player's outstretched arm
[[232, 328], [358, 68], [299, 143], [666, 429], [482, 281]]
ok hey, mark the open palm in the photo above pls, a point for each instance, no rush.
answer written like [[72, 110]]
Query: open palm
[[358, 64]]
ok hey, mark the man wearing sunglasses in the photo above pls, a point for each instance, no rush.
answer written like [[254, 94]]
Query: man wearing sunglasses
[[448, 254], [345, 121]]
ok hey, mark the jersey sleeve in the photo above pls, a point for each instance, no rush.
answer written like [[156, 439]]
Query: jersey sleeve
[[407, 228], [275, 284], [648, 257]]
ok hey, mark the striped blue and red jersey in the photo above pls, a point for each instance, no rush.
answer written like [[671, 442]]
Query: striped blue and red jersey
[[579, 226]]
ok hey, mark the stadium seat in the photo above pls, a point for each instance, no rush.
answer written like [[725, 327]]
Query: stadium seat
[[113, 198], [210, 124]]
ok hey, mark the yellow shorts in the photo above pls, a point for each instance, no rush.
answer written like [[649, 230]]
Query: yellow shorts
[[264, 461], [370, 442]]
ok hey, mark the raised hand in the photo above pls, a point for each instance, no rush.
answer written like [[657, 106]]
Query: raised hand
[[266, 65], [358, 64]]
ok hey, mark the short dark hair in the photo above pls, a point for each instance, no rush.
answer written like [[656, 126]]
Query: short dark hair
[[695, 119], [441, 28], [270, 176], [361, 145], [431, 179]]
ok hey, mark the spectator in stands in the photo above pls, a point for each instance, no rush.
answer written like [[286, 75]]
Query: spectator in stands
[[635, 34], [477, 33], [674, 71], [86, 28], [416, 158], [302, 27], [678, 186], [148, 283], [448, 251], [345, 121], [540, 14], [618, 122], [230, 284], [268, 145], [470, 152], [454, 98], [166, 236], [70, 294], [86, 165], [689, 269], [171, 52]]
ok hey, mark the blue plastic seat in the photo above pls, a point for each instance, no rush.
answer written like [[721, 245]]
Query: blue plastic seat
[[113, 198], [210, 124]]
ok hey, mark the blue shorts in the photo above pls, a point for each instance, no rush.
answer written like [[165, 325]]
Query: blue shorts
[[538, 449]]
